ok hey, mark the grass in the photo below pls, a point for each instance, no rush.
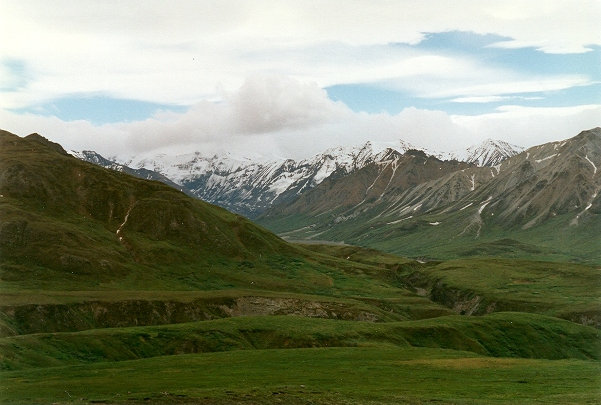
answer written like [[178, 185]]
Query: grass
[[499, 335], [57, 312], [554, 240], [321, 375], [359, 254], [558, 289]]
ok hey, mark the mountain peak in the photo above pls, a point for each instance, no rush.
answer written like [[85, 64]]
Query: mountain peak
[[405, 146], [592, 134], [44, 141], [353, 150], [491, 152]]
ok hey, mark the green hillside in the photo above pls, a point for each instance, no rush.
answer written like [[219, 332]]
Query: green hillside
[[70, 221]]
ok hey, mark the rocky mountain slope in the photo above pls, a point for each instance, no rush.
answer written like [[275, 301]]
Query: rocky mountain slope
[[547, 195], [391, 175]]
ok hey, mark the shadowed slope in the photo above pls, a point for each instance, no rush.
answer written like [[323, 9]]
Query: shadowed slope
[[71, 217]]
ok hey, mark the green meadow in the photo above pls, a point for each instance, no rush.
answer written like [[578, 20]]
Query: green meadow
[[369, 375]]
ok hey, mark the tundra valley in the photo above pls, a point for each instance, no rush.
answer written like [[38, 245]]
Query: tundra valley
[[363, 276]]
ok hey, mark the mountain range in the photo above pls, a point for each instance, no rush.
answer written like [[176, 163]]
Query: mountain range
[[543, 201], [495, 197], [250, 186]]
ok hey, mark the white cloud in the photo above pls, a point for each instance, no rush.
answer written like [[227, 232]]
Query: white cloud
[[182, 52], [267, 104], [528, 126], [199, 54], [509, 86], [288, 118], [564, 26], [480, 99], [454, 76], [491, 99], [76, 135], [262, 105]]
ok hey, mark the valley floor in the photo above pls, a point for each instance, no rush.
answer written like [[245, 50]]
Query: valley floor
[[526, 332], [503, 358], [359, 375]]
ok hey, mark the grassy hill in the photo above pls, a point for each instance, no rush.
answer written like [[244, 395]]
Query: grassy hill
[[499, 358], [70, 221]]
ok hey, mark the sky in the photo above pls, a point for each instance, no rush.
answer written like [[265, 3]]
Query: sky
[[292, 78]]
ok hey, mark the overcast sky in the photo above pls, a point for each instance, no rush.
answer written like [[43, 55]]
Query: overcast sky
[[291, 78]]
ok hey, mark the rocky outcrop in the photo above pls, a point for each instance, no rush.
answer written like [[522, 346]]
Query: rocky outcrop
[[39, 318]]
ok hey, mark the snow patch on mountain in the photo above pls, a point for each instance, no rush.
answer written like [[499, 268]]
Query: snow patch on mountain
[[251, 184], [592, 164], [490, 152]]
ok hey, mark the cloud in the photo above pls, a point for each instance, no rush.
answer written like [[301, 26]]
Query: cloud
[[75, 135], [491, 99], [569, 26], [528, 126], [509, 86], [268, 104], [262, 105], [276, 116], [181, 54], [432, 76]]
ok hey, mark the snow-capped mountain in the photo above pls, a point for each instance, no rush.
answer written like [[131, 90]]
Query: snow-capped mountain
[[249, 185], [143, 173], [489, 153], [539, 196]]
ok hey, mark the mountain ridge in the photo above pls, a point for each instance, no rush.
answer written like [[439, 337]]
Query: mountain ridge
[[251, 186], [555, 183]]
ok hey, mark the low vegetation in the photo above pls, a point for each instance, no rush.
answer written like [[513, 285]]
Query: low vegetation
[[478, 286], [363, 375], [117, 290]]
